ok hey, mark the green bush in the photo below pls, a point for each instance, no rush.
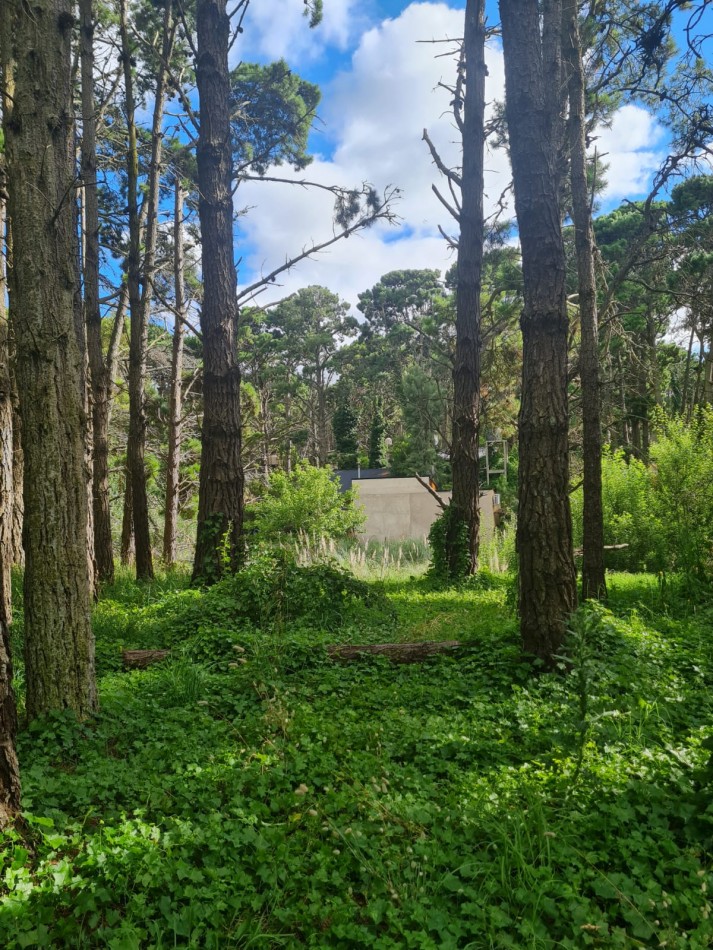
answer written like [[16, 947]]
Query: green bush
[[273, 590], [682, 487], [307, 502], [269, 592], [630, 515], [664, 511]]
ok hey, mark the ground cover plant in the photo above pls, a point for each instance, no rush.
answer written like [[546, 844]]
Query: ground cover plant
[[250, 792]]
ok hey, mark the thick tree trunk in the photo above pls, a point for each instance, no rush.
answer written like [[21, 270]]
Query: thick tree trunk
[[593, 574], [533, 82], [59, 647], [466, 367], [176, 401], [220, 500], [138, 344]]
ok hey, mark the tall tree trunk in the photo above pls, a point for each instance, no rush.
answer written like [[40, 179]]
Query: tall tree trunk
[[59, 647], [6, 273], [9, 768], [593, 573], [533, 80], [7, 505], [220, 498], [466, 367], [176, 401], [322, 426], [100, 381], [80, 332], [18, 467], [136, 445]]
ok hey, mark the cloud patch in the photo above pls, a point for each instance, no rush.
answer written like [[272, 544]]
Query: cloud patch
[[374, 113]]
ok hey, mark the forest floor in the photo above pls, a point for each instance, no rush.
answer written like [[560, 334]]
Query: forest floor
[[251, 792]]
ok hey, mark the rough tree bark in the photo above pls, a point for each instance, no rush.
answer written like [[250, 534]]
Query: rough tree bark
[[593, 573], [39, 135], [220, 499], [533, 78], [466, 366], [140, 294], [6, 93], [9, 768], [100, 380], [18, 468], [80, 332], [176, 400]]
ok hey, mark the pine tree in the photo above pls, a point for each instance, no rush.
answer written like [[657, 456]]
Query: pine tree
[[344, 425], [39, 134]]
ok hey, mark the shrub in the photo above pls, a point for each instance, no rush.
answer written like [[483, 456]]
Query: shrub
[[630, 515], [450, 556], [307, 501], [274, 590], [682, 487], [269, 592]]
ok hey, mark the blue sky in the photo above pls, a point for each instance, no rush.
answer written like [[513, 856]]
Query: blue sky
[[380, 90]]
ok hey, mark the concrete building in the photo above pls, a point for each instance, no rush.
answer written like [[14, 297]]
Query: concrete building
[[401, 508]]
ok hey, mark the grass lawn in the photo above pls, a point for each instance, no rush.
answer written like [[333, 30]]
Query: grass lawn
[[252, 793]]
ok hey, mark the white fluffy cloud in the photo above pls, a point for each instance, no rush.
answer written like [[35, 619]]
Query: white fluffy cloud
[[631, 148], [374, 114], [277, 28]]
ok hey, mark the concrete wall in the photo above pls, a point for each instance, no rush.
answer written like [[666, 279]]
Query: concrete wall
[[400, 508]]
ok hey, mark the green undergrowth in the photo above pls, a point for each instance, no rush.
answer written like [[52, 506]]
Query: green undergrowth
[[251, 792]]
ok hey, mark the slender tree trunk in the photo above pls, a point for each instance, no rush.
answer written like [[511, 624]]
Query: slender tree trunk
[[18, 466], [136, 445], [9, 768], [59, 647], [176, 402], [6, 290], [533, 82], [100, 382], [81, 335], [322, 427], [593, 573], [708, 370], [126, 551], [687, 374], [699, 370], [466, 367], [7, 506], [220, 498]]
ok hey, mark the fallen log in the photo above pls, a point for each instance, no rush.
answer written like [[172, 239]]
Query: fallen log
[[396, 652], [140, 659], [345, 652]]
